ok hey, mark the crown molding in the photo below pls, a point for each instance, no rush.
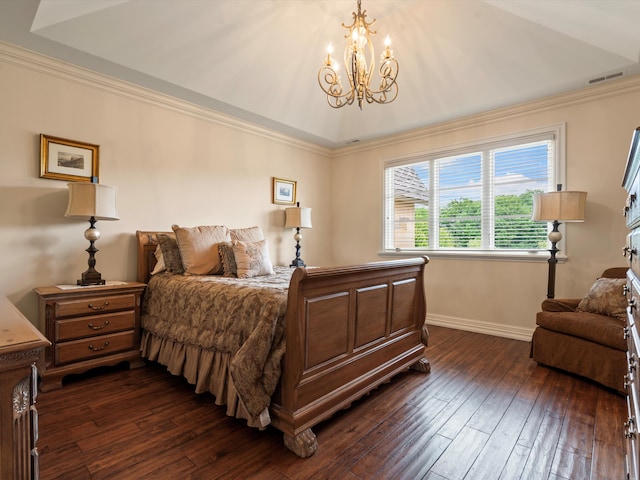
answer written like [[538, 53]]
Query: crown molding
[[12, 54], [611, 88], [18, 56]]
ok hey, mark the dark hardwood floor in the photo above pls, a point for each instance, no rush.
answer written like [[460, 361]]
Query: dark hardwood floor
[[486, 411]]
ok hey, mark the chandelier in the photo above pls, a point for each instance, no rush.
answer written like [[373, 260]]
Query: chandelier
[[359, 64]]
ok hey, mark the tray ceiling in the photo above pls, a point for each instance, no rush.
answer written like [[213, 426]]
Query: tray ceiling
[[258, 59]]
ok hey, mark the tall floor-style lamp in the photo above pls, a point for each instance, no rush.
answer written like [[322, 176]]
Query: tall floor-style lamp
[[557, 207], [297, 217], [93, 202]]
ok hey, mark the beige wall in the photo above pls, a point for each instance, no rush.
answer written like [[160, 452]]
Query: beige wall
[[172, 163], [177, 163], [493, 296]]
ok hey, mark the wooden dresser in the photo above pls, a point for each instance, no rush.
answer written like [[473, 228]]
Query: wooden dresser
[[631, 183], [89, 327], [21, 345]]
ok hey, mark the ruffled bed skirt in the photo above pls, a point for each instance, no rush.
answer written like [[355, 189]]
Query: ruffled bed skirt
[[206, 369]]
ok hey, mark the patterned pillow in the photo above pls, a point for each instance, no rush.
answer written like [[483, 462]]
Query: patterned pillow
[[252, 259], [229, 268], [251, 234], [170, 253], [199, 248], [606, 298]]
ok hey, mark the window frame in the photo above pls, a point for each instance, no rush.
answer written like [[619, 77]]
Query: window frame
[[558, 172]]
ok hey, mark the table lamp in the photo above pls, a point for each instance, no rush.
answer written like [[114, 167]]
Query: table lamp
[[297, 217], [557, 207], [93, 202]]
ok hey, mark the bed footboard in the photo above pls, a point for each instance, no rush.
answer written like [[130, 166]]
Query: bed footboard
[[348, 330]]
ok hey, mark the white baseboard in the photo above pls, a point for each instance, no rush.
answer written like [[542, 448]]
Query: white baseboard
[[487, 328]]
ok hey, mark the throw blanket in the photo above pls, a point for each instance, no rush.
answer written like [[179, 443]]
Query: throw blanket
[[240, 317]]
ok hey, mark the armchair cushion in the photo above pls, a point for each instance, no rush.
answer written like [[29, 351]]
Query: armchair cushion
[[596, 328], [606, 298]]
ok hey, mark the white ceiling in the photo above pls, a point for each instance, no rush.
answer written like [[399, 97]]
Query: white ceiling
[[259, 59]]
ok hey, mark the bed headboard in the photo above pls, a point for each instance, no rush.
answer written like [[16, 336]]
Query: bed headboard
[[147, 243]]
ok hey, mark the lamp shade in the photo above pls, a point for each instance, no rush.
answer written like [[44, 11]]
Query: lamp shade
[[297, 217], [88, 200], [561, 206]]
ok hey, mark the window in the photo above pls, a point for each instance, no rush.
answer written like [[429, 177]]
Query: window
[[475, 198]]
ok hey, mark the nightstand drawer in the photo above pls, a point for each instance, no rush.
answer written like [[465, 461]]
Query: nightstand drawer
[[84, 327], [94, 305], [99, 346]]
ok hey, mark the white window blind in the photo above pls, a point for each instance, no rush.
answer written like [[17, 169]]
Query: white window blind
[[474, 198]]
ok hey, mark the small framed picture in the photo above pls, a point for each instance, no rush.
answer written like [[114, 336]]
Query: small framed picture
[[284, 191], [62, 159]]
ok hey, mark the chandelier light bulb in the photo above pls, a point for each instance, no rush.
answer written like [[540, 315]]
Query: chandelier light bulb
[[388, 53], [329, 61]]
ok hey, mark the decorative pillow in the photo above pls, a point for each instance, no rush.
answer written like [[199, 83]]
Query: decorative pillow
[[229, 268], [606, 298], [251, 234], [252, 259], [159, 267], [199, 248], [170, 253]]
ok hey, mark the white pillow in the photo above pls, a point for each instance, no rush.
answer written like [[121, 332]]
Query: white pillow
[[252, 259]]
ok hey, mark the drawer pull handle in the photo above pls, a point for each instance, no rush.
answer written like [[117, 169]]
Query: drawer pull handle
[[627, 380], [625, 333], [97, 349], [630, 201], [629, 250], [98, 327], [629, 428], [632, 303], [99, 307]]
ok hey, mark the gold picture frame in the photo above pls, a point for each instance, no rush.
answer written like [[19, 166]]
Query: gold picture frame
[[284, 191], [69, 160]]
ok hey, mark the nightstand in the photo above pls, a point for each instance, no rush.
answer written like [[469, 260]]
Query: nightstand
[[89, 327]]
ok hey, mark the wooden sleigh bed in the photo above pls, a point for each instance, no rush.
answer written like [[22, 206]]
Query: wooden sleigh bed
[[346, 330]]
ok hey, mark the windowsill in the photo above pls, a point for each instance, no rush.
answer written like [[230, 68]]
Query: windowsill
[[520, 256]]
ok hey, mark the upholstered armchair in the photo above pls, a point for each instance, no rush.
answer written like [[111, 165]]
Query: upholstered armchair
[[585, 336]]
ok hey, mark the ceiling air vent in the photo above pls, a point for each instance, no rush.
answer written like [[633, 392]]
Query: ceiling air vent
[[605, 77]]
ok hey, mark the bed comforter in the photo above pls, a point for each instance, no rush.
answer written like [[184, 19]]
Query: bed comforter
[[243, 318]]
